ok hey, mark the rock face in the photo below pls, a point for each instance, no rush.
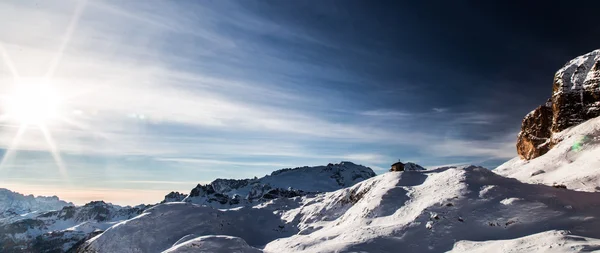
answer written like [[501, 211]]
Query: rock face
[[174, 197], [533, 140], [575, 99], [576, 96]]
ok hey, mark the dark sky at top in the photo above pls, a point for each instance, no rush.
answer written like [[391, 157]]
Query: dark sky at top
[[495, 57]]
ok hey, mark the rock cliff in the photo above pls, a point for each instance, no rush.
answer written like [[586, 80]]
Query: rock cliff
[[575, 99]]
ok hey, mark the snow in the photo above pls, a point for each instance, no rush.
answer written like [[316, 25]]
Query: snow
[[412, 166], [67, 225], [213, 244], [572, 76], [550, 241], [228, 193], [416, 211], [574, 162], [429, 211], [509, 201], [162, 226], [456, 209]]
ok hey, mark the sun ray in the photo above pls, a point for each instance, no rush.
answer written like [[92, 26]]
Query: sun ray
[[10, 151], [72, 25], [54, 151], [8, 61]]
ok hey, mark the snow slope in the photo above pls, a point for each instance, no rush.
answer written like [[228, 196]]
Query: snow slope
[[160, 227], [574, 162], [411, 211], [213, 244], [550, 242], [428, 211]]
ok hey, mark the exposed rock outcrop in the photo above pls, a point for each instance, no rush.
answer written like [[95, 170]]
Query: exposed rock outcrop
[[575, 99], [533, 140], [174, 197]]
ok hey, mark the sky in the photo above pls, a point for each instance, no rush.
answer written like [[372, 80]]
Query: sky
[[158, 96]]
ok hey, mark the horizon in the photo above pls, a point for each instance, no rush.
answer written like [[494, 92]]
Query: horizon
[[126, 101]]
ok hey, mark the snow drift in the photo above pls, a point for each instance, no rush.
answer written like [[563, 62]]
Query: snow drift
[[574, 162]]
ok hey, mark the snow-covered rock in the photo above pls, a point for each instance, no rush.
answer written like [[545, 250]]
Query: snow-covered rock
[[227, 193], [576, 91], [549, 242], [174, 197], [15, 204], [573, 162], [412, 167], [62, 229], [213, 244]]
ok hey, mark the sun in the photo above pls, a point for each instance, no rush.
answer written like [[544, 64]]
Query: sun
[[32, 102]]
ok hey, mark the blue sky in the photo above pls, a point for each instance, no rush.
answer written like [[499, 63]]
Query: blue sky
[[161, 95]]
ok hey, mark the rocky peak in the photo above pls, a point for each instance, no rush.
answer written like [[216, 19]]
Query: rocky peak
[[286, 183], [575, 99], [576, 94], [412, 167], [13, 203], [174, 197]]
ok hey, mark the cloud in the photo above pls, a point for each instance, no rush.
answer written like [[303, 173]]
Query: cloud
[[499, 147], [179, 83], [386, 113]]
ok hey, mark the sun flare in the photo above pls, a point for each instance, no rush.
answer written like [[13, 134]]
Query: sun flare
[[34, 102]]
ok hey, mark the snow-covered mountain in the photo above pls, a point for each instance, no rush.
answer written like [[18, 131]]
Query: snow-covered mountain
[[47, 224], [61, 230], [412, 211], [15, 204], [226, 193]]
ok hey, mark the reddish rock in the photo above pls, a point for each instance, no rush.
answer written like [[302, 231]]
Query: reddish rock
[[575, 99], [533, 140]]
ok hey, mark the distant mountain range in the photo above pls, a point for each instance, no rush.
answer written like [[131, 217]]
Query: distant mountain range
[[51, 225]]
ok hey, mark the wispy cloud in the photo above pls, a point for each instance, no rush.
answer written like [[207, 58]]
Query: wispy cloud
[[439, 109], [386, 113], [179, 84]]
